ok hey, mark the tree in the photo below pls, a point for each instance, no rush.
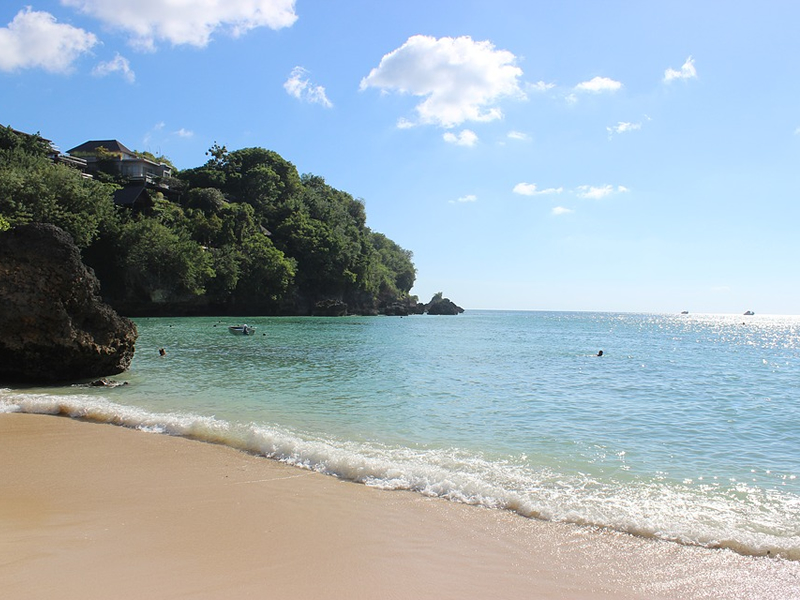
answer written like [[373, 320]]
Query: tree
[[34, 189], [208, 199], [161, 265], [397, 264], [34, 145], [266, 274]]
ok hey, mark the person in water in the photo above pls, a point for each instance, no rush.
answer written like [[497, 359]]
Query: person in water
[[600, 353]]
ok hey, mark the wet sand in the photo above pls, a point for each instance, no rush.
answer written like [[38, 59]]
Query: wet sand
[[91, 511]]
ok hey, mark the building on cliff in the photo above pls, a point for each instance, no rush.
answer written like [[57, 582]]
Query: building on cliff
[[141, 176]]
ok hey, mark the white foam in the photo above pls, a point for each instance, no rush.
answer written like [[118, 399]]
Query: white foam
[[745, 519]]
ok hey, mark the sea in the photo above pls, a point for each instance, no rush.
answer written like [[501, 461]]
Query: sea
[[687, 428]]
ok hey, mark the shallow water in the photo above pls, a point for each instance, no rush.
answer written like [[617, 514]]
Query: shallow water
[[685, 429]]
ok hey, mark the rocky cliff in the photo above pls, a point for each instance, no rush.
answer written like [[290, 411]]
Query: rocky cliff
[[53, 325]]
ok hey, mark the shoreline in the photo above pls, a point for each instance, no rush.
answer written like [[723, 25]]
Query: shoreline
[[92, 510]]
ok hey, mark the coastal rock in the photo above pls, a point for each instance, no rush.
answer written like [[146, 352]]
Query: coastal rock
[[403, 309], [53, 325], [330, 308], [442, 306]]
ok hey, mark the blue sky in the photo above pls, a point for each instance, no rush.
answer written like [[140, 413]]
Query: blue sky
[[572, 155]]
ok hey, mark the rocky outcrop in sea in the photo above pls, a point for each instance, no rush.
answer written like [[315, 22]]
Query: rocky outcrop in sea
[[442, 306], [53, 325]]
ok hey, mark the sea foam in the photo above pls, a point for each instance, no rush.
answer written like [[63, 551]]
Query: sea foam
[[745, 519]]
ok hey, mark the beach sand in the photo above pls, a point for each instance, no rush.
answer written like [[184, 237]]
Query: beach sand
[[91, 511]]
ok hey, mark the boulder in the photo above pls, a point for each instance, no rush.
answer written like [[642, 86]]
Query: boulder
[[53, 325], [442, 306]]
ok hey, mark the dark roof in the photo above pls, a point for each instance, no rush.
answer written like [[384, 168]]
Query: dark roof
[[130, 195], [18, 132], [93, 145]]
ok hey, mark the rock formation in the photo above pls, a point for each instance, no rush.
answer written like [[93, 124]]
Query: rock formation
[[330, 308], [53, 325], [442, 306]]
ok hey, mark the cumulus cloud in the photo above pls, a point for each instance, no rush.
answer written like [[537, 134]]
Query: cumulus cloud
[[598, 85], [184, 133], [560, 210], [35, 40], [119, 64], [530, 189], [591, 192], [687, 71], [180, 22], [465, 138], [299, 86], [459, 79], [465, 199]]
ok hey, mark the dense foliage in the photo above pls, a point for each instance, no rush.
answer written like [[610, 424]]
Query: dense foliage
[[244, 233]]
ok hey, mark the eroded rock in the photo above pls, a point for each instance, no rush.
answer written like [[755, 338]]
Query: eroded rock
[[53, 325]]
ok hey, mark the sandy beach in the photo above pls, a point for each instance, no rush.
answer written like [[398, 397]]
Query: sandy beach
[[98, 511]]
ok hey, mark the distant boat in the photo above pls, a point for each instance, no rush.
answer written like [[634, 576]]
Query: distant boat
[[242, 329], [684, 312], [749, 312]]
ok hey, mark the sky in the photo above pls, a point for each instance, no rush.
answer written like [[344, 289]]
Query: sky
[[575, 155]]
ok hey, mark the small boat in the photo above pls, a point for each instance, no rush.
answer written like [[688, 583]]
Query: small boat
[[244, 329], [684, 312], [749, 313]]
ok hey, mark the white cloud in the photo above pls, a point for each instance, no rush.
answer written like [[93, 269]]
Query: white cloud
[[186, 22], [687, 71], [599, 85], [159, 135], [591, 192], [560, 210], [529, 189], [465, 138], [35, 40], [119, 64], [540, 86], [299, 86], [465, 199], [460, 79], [623, 127], [518, 135]]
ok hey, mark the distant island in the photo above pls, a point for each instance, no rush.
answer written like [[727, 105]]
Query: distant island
[[243, 234]]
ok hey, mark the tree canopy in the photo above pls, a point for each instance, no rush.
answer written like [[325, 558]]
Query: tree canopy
[[244, 233]]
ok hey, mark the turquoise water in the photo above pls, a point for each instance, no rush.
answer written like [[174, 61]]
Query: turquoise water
[[685, 429]]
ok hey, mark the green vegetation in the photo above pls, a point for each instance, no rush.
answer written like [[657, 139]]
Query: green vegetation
[[244, 233]]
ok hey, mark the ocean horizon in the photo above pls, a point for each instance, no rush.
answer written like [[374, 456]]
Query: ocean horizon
[[683, 430]]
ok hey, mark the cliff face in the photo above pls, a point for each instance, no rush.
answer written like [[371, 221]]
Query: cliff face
[[53, 325]]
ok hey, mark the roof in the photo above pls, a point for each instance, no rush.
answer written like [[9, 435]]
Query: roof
[[128, 196], [110, 145]]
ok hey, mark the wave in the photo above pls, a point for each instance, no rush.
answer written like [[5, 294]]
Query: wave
[[746, 519]]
